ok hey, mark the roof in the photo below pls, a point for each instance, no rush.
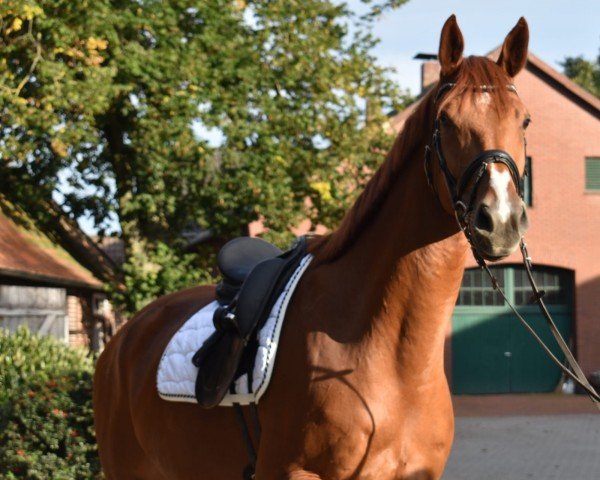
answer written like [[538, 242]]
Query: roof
[[540, 68], [28, 253], [65, 231]]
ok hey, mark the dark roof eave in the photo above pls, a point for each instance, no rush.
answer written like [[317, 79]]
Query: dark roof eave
[[47, 279], [81, 246]]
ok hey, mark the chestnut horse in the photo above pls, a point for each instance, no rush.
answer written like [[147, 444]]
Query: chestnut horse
[[359, 390]]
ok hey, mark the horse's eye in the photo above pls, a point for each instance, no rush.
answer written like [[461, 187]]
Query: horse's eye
[[444, 119], [526, 123]]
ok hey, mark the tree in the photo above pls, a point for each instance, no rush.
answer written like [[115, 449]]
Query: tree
[[584, 72], [111, 103]]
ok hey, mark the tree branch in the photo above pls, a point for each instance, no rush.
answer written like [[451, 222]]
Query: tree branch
[[37, 58]]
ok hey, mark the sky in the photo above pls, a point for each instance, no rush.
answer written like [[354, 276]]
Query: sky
[[558, 28]]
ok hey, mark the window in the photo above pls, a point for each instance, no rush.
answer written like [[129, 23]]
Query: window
[[476, 288], [592, 174], [477, 291], [527, 183], [555, 283]]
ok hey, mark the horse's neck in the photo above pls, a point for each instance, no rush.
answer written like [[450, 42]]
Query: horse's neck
[[408, 262]]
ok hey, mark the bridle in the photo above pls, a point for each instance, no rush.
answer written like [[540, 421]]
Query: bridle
[[457, 188], [472, 175]]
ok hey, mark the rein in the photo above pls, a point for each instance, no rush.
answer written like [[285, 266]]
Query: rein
[[463, 212]]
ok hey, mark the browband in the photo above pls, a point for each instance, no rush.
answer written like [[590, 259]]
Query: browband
[[484, 88]]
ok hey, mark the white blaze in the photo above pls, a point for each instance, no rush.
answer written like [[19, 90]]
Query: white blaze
[[483, 99], [499, 181]]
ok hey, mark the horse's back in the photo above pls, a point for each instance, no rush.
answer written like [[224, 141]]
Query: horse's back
[[130, 418]]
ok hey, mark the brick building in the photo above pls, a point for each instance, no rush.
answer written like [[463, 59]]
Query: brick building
[[487, 350], [53, 278]]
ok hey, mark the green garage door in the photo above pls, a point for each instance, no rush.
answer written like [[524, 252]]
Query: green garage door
[[491, 351]]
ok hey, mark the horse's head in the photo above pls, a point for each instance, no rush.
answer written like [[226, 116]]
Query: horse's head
[[479, 141]]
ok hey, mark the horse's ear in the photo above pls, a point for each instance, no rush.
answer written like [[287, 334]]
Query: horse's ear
[[451, 47], [513, 55]]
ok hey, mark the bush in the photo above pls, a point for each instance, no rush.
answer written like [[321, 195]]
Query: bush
[[46, 422]]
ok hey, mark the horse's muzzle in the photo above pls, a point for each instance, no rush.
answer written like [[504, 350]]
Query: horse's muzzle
[[496, 233]]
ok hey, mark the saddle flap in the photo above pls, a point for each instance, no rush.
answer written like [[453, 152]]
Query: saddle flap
[[217, 363]]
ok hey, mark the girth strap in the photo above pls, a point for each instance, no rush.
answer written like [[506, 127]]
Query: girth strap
[[250, 470]]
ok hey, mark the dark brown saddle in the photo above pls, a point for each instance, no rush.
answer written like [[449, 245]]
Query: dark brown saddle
[[254, 275]]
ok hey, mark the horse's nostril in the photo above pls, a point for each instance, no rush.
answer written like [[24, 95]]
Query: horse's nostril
[[523, 221], [484, 220]]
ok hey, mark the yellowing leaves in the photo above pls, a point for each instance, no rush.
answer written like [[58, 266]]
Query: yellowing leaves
[[59, 148], [94, 60], [323, 189], [75, 53], [27, 13], [15, 25], [96, 44], [31, 11], [239, 5], [93, 47]]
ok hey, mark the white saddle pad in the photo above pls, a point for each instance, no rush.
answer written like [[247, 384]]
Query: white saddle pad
[[176, 375]]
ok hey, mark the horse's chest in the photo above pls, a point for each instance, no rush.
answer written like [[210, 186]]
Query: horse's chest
[[377, 438], [374, 459]]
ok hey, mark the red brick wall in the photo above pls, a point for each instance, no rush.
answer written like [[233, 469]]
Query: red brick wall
[[78, 336], [564, 222]]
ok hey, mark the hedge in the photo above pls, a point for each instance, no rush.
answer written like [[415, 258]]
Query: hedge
[[46, 422]]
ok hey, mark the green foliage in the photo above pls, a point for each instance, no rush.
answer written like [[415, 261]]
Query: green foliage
[[46, 427], [584, 72], [149, 275], [116, 98]]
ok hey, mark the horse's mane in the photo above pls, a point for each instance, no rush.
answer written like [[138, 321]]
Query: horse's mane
[[474, 72]]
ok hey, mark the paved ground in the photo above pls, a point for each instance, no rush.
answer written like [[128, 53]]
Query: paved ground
[[525, 437], [525, 404]]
